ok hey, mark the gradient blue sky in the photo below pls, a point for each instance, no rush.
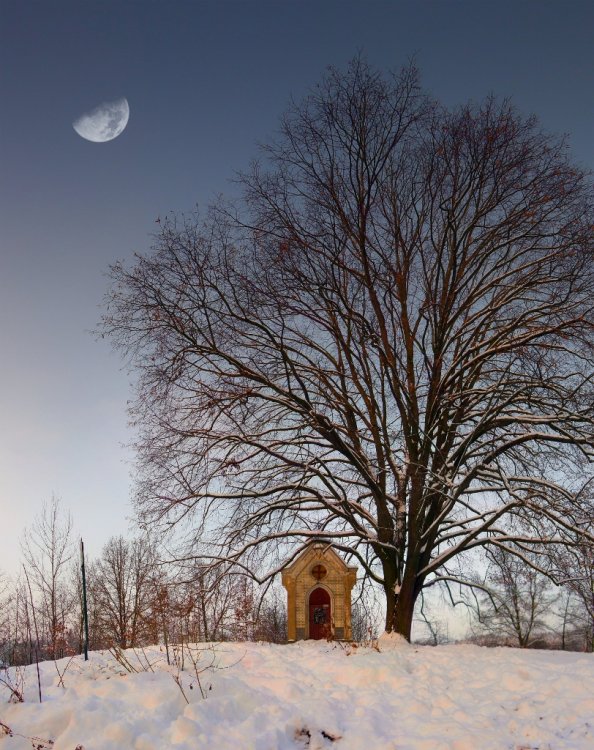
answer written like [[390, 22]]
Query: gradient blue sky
[[205, 82]]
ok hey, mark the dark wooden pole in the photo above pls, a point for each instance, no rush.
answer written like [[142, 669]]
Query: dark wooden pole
[[84, 601]]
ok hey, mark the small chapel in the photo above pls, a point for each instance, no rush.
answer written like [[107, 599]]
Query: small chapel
[[319, 585]]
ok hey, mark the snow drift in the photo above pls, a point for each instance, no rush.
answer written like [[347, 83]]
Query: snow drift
[[314, 695]]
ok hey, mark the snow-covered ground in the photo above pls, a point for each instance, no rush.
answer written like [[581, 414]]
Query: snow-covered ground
[[309, 695]]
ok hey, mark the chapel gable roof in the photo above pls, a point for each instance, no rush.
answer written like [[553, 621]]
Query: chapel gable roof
[[317, 551]]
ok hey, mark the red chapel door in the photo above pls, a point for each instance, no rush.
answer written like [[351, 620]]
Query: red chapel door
[[319, 614]]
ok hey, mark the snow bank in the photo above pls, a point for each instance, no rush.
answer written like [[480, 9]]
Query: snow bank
[[392, 641], [310, 695]]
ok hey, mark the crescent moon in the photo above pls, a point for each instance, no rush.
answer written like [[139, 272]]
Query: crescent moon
[[105, 122]]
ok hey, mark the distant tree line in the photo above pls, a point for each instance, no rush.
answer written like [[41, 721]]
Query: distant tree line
[[511, 603], [132, 599], [135, 600]]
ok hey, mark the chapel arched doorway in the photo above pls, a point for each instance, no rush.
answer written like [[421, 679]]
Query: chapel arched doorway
[[320, 614]]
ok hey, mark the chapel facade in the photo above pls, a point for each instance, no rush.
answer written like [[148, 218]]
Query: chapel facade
[[319, 585]]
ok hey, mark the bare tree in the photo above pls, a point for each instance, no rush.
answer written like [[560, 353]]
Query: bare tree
[[271, 618], [367, 616], [244, 621], [19, 648], [576, 570], [433, 623], [517, 603], [7, 605], [121, 584], [387, 345], [214, 594], [47, 550]]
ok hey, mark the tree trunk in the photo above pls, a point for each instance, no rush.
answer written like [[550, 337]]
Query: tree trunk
[[204, 616], [400, 608]]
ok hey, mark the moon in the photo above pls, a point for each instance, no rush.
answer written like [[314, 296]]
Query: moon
[[105, 122]]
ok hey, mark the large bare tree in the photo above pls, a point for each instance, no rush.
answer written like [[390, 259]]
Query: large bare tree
[[387, 344]]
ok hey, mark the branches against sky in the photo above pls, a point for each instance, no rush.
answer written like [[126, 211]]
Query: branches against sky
[[387, 344]]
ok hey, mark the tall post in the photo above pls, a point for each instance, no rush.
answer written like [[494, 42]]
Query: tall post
[[84, 601]]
